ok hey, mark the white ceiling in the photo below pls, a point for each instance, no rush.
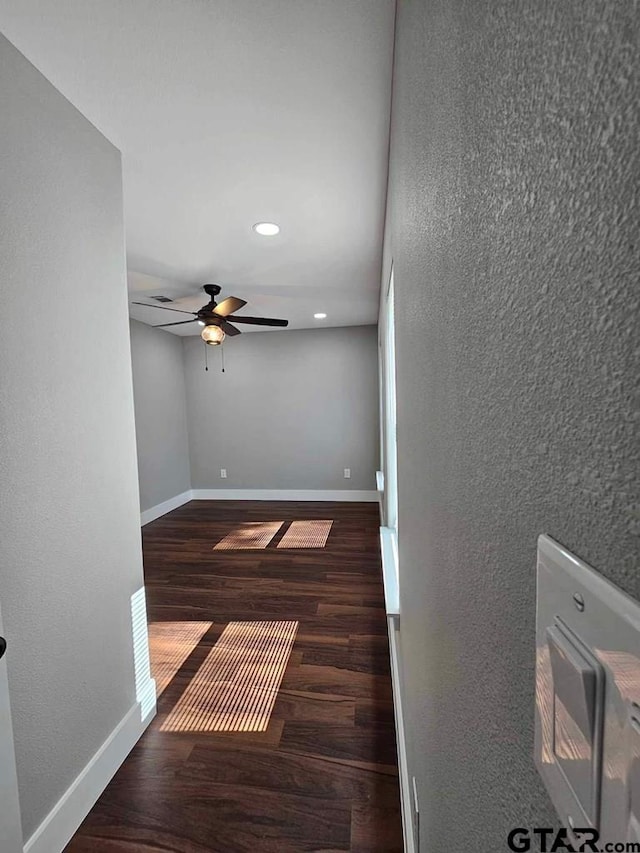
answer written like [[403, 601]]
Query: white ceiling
[[230, 112]]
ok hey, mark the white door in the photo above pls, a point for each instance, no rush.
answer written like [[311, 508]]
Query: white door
[[10, 828]]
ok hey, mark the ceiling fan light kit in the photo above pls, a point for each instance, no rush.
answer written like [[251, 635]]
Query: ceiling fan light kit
[[213, 335]]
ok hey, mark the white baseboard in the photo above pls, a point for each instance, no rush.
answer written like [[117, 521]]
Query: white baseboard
[[348, 495], [162, 509], [59, 826], [403, 770], [285, 495]]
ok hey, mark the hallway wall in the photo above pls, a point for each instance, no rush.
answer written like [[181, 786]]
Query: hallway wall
[[292, 410], [70, 552], [161, 416], [513, 226]]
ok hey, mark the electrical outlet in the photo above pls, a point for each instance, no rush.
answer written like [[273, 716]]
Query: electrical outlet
[[223, 473], [415, 814], [347, 473]]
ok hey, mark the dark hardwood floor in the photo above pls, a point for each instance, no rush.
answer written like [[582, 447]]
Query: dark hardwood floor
[[323, 777]]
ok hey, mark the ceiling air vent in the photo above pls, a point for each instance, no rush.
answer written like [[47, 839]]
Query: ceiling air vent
[[161, 298]]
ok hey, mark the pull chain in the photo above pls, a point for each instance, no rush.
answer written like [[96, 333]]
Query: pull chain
[[206, 357]]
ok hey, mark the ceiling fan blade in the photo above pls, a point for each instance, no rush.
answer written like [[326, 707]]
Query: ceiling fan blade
[[179, 323], [228, 306], [228, 329], [162, 308], [260, 321]]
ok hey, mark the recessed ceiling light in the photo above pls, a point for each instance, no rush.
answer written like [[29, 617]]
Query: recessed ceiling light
[[320, 316], [267, 229]]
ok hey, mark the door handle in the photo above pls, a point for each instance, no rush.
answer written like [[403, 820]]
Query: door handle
[[3, 646]]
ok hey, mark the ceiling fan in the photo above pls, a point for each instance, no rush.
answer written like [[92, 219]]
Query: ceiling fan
[[215, 316]]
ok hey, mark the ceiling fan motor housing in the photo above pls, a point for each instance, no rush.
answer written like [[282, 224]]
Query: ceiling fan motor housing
[[212, 289]]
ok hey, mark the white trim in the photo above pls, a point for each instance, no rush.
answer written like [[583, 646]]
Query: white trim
[[285, 495], [403, 770], [380, 488], [59, 826], [389, 553], [162, 509]]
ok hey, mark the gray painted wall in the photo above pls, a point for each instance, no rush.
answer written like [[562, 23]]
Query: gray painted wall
[[292, 410], [161, 417], [70, 555], [513, 224]]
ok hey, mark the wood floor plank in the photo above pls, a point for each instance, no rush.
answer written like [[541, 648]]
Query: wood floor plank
[[323, 777], [369, 822], [297, 773], [340, 681], [314, 707], [373, 744]]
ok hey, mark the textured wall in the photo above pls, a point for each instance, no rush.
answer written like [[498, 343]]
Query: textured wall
[[70, 554], [161, 417], [513, 224], [292, 410]]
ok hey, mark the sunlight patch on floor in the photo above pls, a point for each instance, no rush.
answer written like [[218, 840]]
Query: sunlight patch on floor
[[250, 535], [236, 687], [170, 645], [306, 534]]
